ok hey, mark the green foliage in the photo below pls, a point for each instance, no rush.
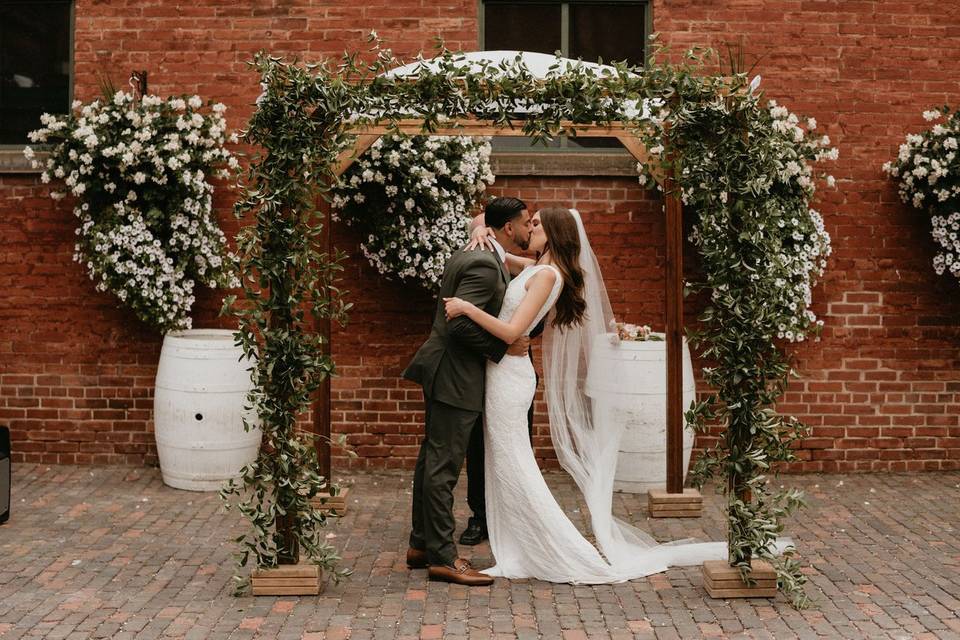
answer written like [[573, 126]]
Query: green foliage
[[747, 180], [289, 282], [744, 174]]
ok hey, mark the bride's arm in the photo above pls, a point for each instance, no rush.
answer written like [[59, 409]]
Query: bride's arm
[[516, 264], [478, 240], [538, 290]]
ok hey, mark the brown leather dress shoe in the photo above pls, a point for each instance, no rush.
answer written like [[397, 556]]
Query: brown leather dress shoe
[[459, 573], [416, 558]]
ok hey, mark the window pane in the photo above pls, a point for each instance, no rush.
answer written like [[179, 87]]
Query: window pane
[[613, 32], [34, 64], [521, 27]]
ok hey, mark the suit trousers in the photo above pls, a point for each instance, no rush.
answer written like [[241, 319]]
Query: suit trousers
[[448, 433]]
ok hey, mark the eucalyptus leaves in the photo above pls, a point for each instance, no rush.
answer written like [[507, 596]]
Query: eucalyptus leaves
[[746, 177], [139, 173], [928, 170]]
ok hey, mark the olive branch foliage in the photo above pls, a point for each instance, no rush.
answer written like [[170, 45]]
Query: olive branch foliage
[[309, 114]]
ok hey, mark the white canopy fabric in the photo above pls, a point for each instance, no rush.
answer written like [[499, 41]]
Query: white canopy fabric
[[538, 64]]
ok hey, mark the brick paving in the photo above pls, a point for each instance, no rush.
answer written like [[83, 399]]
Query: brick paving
[[110, 552]]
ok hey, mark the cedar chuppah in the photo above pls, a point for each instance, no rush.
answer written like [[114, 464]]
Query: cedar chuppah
[[760, 243], [369, 129]]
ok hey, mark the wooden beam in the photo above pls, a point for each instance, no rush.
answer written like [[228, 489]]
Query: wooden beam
[[348, 156], [478, 127], [639, 151]]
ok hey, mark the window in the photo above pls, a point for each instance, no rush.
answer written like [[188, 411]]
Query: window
[[610, 31], [35, 64]]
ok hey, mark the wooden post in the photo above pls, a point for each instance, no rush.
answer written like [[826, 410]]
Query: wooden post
[[674, 335], [675, 502], [321, 407]]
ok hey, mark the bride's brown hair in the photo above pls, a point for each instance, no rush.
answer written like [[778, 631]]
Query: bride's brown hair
[[563, 243]]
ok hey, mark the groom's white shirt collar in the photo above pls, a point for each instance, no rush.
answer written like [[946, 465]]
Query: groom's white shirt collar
[[500, 250]]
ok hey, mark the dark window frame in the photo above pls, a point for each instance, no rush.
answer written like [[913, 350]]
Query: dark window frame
[[11, 154], [522, 157]]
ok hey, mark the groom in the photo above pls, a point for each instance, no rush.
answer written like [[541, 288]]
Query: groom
[[450, 366]]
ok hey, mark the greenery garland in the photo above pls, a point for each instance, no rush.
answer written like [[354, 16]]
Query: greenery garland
[[139, 173], [755, 229], [761, 248], [928, 170], [288, 283]]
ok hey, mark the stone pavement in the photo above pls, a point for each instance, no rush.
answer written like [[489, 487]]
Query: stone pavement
[[113, 553]]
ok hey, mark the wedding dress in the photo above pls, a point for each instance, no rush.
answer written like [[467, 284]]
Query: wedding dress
[[530, 535]]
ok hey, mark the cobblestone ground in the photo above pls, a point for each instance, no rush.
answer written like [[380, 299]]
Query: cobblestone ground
[[113, 553]]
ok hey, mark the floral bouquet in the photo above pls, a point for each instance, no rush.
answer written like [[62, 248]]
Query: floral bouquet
[[633, 332], [139, 173]]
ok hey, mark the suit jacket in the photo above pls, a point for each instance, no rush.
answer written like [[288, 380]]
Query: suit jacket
[[451, 364]]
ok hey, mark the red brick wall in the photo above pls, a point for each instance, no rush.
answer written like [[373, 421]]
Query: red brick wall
[[882, 390]]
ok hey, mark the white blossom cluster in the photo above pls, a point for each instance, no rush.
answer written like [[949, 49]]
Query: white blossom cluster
[[138, 172], [412, 198], [928, 170], [780, 246]]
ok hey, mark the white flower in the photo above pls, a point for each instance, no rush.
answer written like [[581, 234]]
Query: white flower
[[930, 116]]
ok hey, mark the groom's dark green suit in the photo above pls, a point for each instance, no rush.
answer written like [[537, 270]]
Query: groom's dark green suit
[[451, 367]]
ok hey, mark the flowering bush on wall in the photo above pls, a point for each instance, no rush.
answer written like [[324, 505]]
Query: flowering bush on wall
[[139, 175], [412, 198], [928, 171]]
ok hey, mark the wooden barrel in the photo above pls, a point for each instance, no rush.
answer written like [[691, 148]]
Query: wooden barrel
[[198, 410], [627, 383]]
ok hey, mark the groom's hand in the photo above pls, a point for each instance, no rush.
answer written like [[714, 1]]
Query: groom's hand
[[520, 347]]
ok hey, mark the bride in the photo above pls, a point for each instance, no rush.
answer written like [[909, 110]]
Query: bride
[[530, 535]]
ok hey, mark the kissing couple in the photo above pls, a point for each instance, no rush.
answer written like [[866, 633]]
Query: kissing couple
[[474, 367]]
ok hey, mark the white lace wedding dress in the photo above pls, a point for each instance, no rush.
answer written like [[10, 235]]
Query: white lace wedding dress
[[530, 535]]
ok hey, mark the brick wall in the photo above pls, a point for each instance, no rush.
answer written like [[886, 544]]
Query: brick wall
[[882, 389]]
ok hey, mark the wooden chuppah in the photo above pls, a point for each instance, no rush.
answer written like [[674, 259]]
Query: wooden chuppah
[[675, 501]]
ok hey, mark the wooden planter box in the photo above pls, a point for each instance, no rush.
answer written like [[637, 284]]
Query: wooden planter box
[[287, 580], [723, 581], [688, 504], [333, 505]]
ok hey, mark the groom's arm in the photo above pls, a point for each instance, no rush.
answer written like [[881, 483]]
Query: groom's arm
[[477, 285]]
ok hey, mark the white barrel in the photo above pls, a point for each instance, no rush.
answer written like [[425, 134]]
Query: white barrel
[[627, 382], [198, 410]]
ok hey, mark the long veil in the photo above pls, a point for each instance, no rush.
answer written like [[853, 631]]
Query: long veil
[[587, 451]]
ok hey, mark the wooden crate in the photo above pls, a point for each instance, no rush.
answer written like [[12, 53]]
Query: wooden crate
[[333, 505], [688, 504], [287, 580], [723, 581]]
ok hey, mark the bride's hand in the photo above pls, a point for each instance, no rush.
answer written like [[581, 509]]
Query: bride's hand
[[457, 307], [480, 237]]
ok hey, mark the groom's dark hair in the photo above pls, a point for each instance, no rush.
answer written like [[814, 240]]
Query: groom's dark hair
[[500, 211]]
